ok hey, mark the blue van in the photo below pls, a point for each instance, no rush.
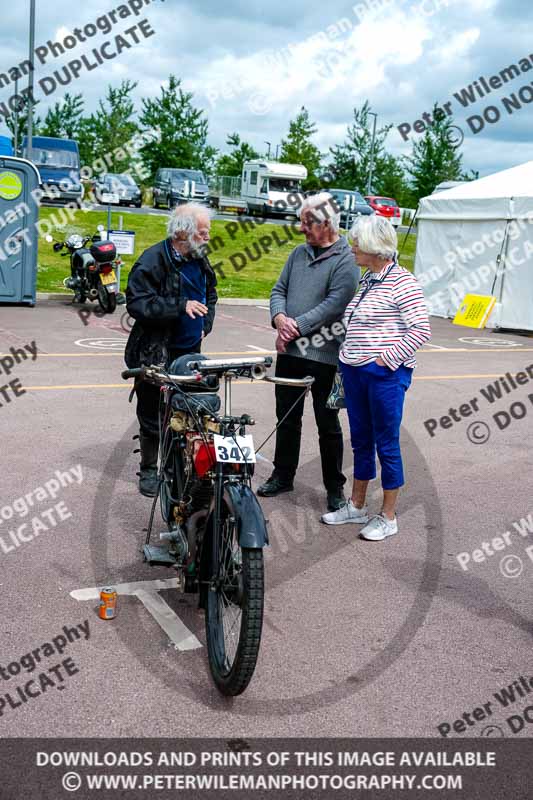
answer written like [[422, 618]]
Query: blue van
[[58, 161], [6, 148]]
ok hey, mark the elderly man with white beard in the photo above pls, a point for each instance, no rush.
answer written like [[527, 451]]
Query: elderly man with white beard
[[171, 295]]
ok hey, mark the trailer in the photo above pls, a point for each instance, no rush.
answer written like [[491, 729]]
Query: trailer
[[265, 188], [225, 194]]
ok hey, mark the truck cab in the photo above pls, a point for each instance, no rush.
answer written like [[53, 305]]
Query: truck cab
[[6, 148], [58, 161], [272, 188]]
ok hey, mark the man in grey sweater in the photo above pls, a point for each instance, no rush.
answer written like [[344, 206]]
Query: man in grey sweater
[[306, 307]]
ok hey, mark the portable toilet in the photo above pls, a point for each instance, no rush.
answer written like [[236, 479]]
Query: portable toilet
[[19, 214], [6, 148]]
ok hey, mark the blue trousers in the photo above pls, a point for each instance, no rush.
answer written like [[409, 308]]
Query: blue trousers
[[374, 401]]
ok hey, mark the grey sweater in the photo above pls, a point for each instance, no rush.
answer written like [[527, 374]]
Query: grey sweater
[[315, 292]]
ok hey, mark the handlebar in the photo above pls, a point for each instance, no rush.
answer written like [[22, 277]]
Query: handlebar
[[156, 375]]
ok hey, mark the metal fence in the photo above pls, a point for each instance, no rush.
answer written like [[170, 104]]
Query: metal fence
[[225, 185]]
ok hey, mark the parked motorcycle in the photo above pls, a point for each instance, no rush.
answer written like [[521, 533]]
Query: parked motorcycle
[[92, 269]]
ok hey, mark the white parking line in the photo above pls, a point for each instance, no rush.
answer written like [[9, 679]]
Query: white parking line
[[147, 592]]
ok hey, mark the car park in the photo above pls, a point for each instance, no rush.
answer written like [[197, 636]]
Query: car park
[[115, 189], [352, 204], [175, 186], [386, 207]]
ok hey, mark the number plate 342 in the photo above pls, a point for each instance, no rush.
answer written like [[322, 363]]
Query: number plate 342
[[235, 449]]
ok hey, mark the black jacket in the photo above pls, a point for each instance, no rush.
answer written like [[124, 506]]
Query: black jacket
[[155, 298]]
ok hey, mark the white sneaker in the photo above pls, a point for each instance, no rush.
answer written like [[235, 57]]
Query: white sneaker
[[346, 513], [379, 528]]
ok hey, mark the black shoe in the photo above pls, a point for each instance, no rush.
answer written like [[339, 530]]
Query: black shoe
[[274, 486], [335, 500], [148, 481]]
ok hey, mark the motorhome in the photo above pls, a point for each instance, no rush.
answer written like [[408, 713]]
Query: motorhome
[[270, 187]]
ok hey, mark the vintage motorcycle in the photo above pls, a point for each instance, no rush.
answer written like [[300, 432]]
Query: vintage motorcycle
[[92, 269], [216, 530]]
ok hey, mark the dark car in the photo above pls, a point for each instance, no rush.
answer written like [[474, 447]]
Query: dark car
[[352, 205], [175, 186], [123, 188], [386, 207]]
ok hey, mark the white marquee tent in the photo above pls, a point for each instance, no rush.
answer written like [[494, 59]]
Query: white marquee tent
[[478, 238]]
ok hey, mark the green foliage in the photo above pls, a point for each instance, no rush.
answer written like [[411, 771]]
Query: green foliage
[[350, 163], [434, 158], [298, 148], [232, 163], [182, 128], [22, 122], [64, 118], [110, 127], [390, 181]]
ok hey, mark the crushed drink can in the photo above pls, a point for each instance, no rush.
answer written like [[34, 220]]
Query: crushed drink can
[[108, 603]]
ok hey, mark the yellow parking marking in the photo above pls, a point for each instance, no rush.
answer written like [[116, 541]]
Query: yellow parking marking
[[256, 382], [121, 354], [116, 353]]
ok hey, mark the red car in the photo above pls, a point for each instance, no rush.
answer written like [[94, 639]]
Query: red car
[[386, 207]]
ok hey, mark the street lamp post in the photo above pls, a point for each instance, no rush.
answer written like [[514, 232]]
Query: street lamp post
[[371, 166], [16, 119], [268, 143], [30, 76]]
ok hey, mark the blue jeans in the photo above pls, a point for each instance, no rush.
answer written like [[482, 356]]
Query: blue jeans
[[374, 401]]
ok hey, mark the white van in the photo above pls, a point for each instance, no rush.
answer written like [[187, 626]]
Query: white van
[[269, 187]]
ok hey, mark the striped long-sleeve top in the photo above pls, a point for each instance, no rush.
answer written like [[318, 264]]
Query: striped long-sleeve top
[[386, 319]]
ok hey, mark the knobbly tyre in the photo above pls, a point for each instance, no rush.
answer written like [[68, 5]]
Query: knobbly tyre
[[92, 270], [216, 530]]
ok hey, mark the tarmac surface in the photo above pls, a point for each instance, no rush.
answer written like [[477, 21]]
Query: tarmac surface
[[360, 639]]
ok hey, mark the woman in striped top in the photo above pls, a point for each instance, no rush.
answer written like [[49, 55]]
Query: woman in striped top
[[385, 324]]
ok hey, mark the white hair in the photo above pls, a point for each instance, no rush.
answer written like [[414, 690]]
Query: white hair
[[324, 206], [375, 235], [184, 219]]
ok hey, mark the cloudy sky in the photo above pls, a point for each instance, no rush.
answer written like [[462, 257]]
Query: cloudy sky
[[252, 65]]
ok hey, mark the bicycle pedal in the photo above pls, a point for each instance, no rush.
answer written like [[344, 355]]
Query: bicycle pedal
[[155, 555]]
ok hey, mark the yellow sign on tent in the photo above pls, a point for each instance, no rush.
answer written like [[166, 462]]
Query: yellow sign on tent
[[475, 310]]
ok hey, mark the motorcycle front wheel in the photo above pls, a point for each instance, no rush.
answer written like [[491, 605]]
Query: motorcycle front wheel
[[106, 300], [234, 607]]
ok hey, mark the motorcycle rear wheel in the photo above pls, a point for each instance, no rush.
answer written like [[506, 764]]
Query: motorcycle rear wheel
[[106, 300]]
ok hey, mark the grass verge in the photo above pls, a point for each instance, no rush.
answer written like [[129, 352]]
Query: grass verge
[[249, 256]]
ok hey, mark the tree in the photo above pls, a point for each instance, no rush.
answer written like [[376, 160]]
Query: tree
[[22, 123], [298, 148], [105, 132], [435, 157], [182, 128], [350, 163], [63, 119], [232, 163], [390, 180]]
